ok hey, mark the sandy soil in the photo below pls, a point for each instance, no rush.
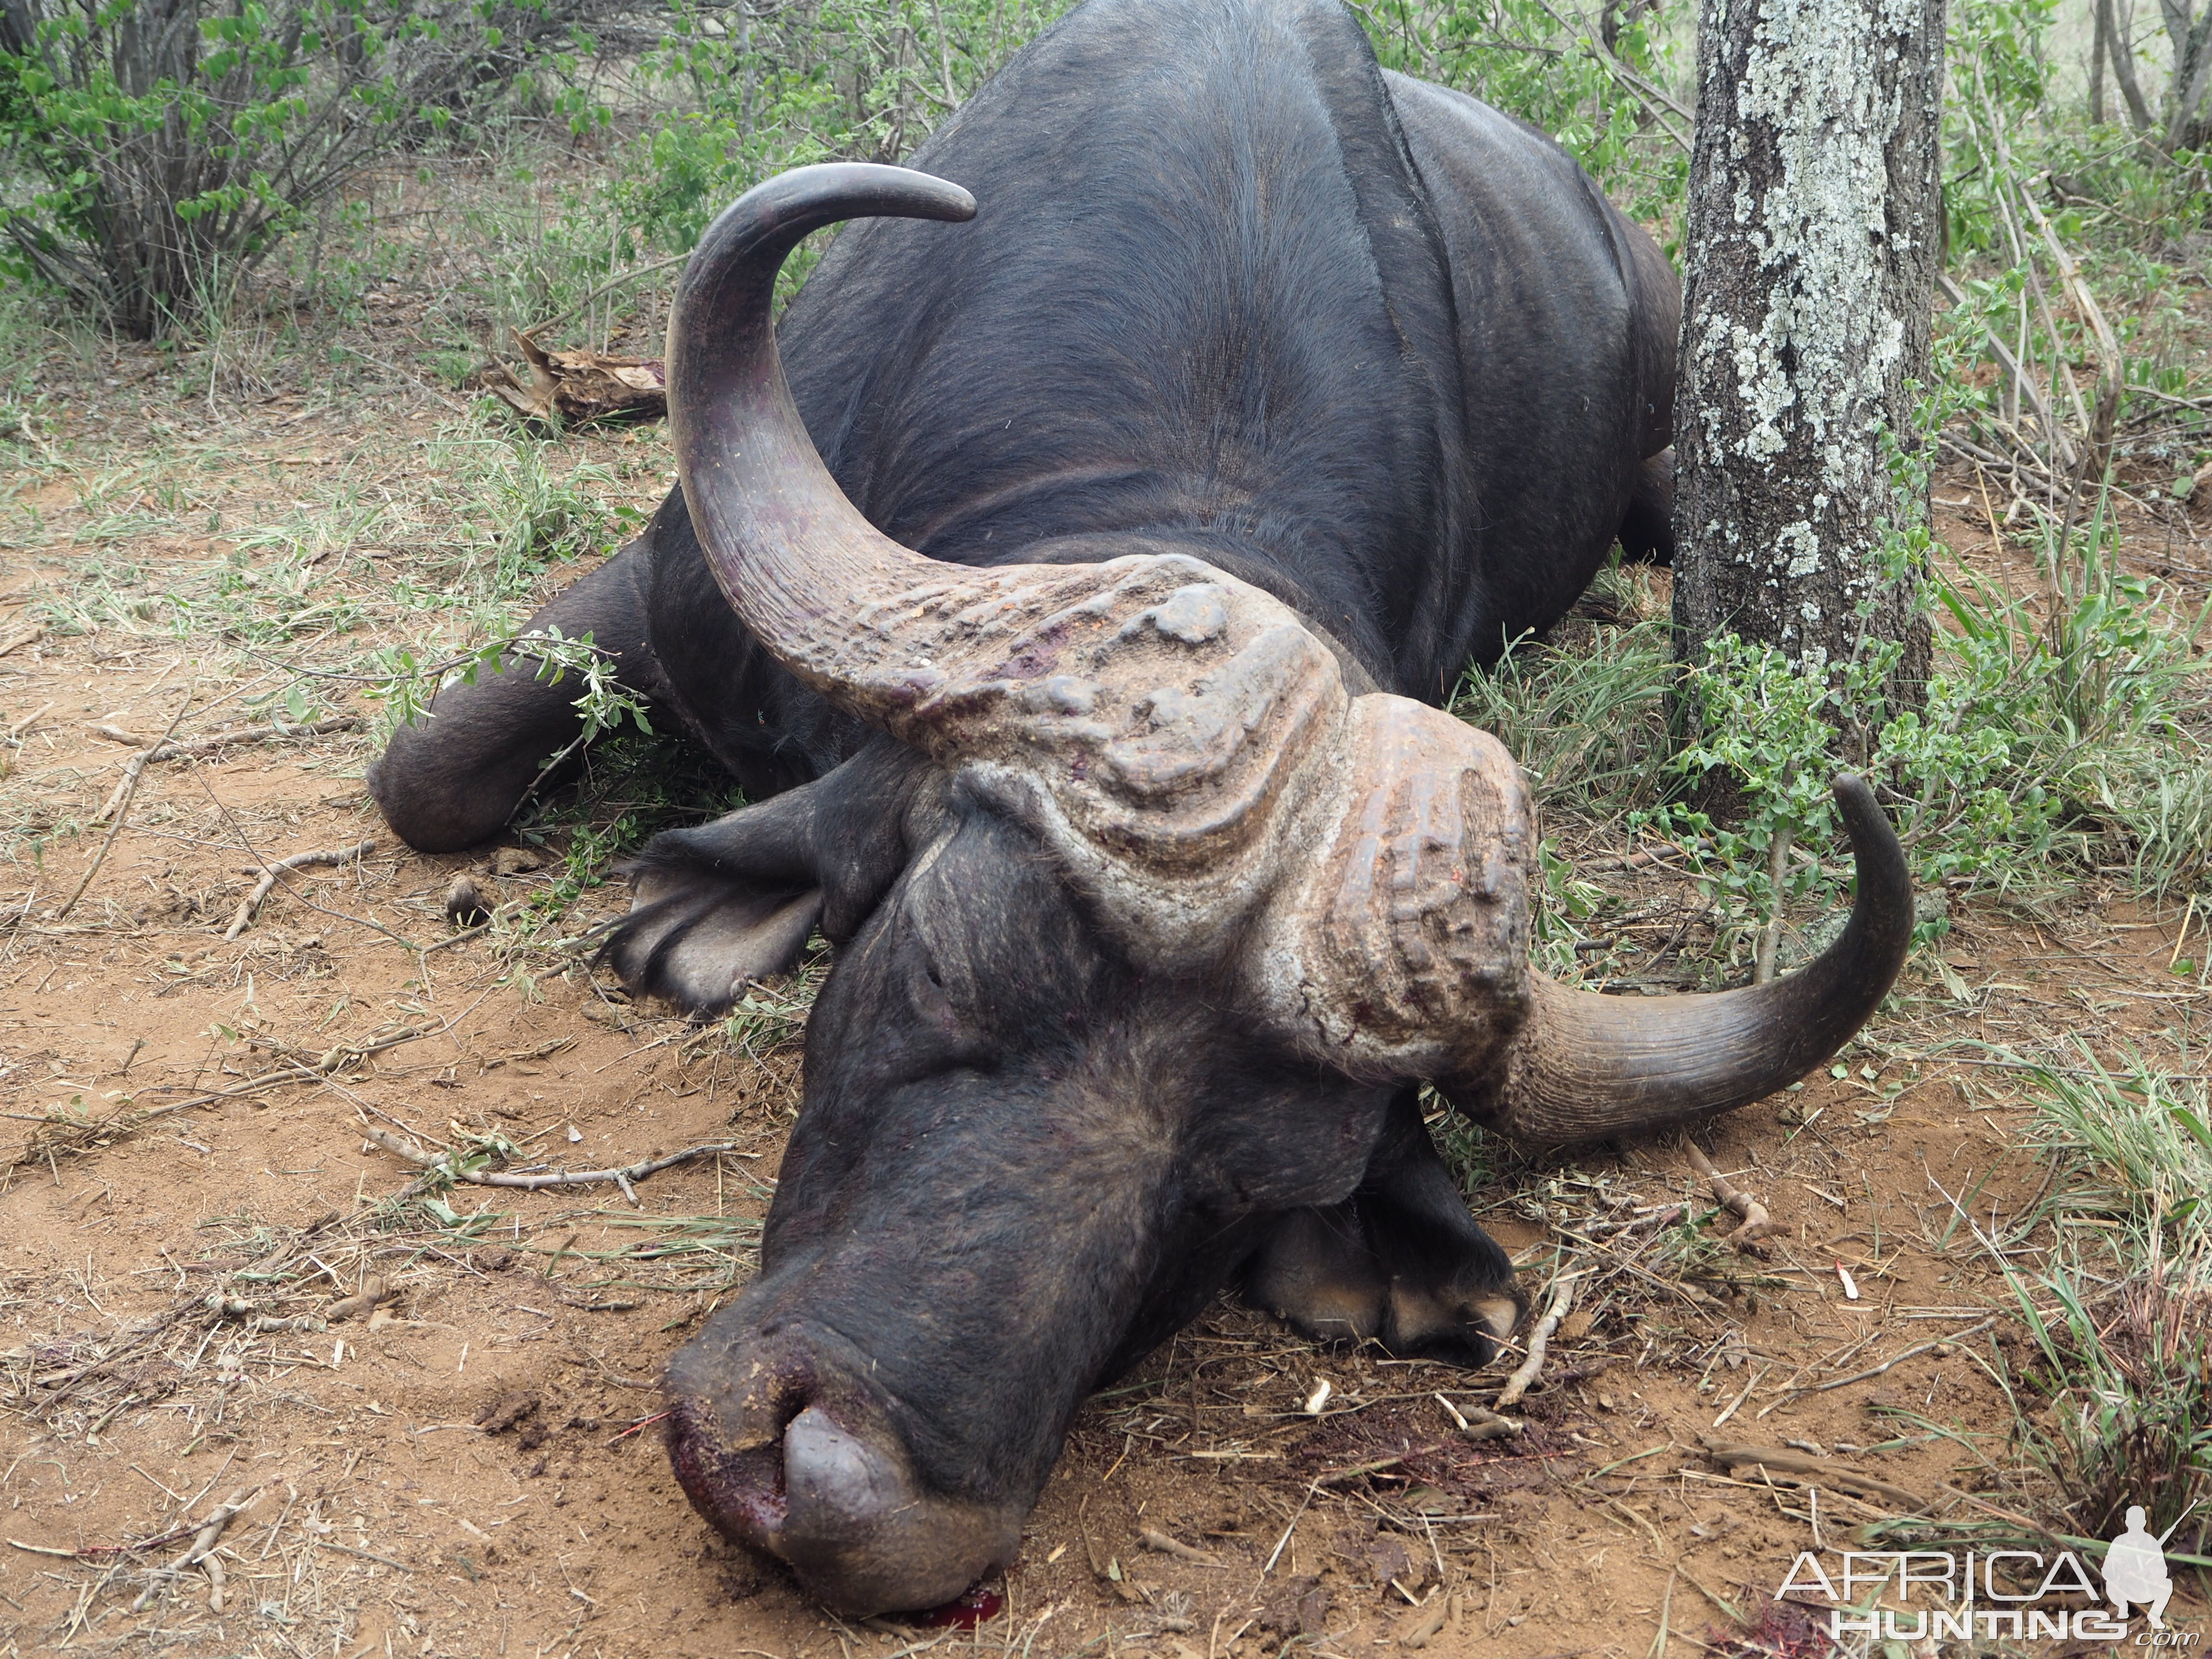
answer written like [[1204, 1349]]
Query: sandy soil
[[473, 1467]]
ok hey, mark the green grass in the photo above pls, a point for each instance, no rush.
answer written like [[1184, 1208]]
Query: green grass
[[2114, 1403]]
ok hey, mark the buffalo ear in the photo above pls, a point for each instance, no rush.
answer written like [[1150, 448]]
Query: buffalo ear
[[736, 899]]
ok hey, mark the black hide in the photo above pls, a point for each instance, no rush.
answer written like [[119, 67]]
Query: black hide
[[1361, 340]]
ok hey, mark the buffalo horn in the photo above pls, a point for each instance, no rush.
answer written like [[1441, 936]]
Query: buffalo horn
[[1163, 725], [1585, 1066]]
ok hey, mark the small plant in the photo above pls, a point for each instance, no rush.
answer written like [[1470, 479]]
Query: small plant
[[602, 701], [2071, 736]]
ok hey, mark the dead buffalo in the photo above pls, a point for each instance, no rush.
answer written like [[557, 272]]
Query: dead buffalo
[[1080, 588]]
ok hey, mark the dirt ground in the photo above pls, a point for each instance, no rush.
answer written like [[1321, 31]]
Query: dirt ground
[[473, 1467]]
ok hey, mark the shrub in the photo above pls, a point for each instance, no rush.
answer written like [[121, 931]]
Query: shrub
[[166, 145]]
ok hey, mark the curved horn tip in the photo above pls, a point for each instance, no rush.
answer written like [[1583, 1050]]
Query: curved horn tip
[[1586, 1066], [1855, 797], [825, 192]]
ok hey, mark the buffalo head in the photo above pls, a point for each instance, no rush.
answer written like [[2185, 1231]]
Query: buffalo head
[[1151, 918]]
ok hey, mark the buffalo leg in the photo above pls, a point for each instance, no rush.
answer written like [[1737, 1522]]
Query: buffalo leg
[[1401, 1260], [454, 778]]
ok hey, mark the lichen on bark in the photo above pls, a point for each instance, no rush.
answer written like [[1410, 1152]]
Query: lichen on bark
[[1813, 234]]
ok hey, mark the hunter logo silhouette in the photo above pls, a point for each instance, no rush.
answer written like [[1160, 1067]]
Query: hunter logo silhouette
[[2135, 1569]]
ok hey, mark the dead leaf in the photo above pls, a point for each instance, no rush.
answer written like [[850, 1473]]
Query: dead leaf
[[574, 387]]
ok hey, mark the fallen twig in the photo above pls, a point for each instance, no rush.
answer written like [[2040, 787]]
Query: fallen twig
[[364, 1301], [1563, 1298], [44, 1549], [118, 804], [2112, 378], [201, 1550], [365, 1555], [162, 748], [1415, 1629], [602, 291], [29, 721], [1153, 1539], [1337, 1477], [1479, 1422], [1756, 1223], [1776, 1461], [1897, 1359], [2024, 383], [252, 903], [1658, 1216], [621, 1177], [1644, 856]]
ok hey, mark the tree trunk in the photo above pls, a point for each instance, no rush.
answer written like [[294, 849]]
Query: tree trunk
[[2097, 69], [2193, 71], [1813, 236], [2119, 43]]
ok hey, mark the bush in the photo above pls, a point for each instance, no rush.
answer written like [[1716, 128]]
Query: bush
[[166, 145]]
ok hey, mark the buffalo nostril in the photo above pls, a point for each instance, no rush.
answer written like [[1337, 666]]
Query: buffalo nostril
[[835, 1484], [787, 1454], [862, 1534]]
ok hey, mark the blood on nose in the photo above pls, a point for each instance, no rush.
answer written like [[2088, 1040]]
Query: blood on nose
[[738, 1478]]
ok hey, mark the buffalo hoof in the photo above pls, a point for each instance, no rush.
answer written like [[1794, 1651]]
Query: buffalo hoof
[[783, 1451], [1320, 1273], [698, 939]]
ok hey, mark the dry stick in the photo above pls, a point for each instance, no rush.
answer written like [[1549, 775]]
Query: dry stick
[[2027, 384], [1769, 936], [161, 748], [2062, 449], [1152, 1538], [601, 293], [1476, 1422], [2112, 382], [311, 1069], [1775, 1461], [298, 861], [1756, 1223], [120, 805], [1909, 1354], [623, 1177], [202, 1545], [246, 842], [1417, 1627], [2031, 470], [365, 1555], [1563, 1298]]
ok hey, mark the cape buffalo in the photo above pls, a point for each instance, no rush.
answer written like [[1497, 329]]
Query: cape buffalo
[[1083, 590]]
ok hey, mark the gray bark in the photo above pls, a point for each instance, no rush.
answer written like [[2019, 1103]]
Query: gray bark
[[2097, 67], [2192, 68], [1813, 237], [2119, 42]]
